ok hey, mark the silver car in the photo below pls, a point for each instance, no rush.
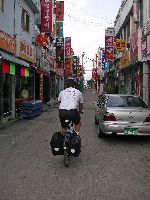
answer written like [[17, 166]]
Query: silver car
[[122, 114]]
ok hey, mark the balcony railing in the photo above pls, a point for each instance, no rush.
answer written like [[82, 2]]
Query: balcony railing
[[146, 28]]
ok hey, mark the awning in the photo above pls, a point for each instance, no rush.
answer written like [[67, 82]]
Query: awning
[[13, 59]]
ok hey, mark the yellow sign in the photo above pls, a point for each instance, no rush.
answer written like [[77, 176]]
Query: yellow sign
[[120, 45], [124, 60], [7, 43]]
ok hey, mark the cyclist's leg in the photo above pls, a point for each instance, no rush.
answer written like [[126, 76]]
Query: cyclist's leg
[[76, 120], [62, 117]]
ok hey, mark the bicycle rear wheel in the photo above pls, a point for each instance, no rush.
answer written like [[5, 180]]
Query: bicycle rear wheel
[[66, 158]]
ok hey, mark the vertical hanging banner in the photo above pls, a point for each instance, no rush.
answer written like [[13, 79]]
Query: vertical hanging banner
[[109, 44], [109, 48], [60, 52], [74, 64], [134, 47], [59, 29], [103, 59], [67, 46], [144, 46], [59, 10], [68, 67], [46, 16], [136, 11]]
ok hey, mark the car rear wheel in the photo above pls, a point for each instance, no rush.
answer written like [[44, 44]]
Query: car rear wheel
[[100, 133]]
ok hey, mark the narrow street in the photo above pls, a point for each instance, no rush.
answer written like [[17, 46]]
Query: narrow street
[[114, 168]]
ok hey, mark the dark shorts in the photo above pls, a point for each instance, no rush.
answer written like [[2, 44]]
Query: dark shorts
[[72, 115]]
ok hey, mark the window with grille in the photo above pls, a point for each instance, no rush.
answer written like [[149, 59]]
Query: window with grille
[[2, 5], [25, 20]]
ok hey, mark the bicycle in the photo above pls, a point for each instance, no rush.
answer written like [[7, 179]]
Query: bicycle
[[67, 136], [69, 149]]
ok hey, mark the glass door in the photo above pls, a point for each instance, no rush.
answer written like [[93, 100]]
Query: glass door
[[7, 95]]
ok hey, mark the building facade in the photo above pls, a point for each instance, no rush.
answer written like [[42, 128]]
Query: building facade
[[17, 53], [132, 65]]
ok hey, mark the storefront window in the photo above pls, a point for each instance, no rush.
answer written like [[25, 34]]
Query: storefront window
[[7, 97], [24, 83], [24, 90]]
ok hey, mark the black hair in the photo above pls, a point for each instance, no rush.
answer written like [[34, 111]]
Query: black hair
[[70, 82]]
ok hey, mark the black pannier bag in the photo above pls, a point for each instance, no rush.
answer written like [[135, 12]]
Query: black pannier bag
[[56, 144], [74, 145]]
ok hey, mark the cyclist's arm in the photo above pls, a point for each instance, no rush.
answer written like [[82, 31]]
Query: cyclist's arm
[[59, 100], [81, 107], [81, 103]]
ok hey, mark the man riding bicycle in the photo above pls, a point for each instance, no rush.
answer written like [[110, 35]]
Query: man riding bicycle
[[70, 102]]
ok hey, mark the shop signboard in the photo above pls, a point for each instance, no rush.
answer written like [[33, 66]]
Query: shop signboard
[[134, 47], [60, 52], [103, 59], [7, 43], [25, 50], [59, 29], [120, 45], [74, 64], [144, 46], [68, 66], [59, 10], [124, 60], [46, 16], [109, 48], [42, 39], [136, 11], [67, 46]]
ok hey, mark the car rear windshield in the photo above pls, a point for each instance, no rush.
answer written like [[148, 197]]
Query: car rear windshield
[[125, 101]]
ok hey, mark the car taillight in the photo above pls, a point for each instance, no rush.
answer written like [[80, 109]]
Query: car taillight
[[147, 119], [109, 117]]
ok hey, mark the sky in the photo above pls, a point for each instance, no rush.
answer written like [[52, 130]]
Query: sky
[[85, 22]]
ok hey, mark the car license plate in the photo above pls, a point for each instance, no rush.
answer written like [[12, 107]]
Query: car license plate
[[130, 131]]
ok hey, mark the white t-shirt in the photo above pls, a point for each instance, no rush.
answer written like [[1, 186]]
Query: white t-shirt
[[70, 98]]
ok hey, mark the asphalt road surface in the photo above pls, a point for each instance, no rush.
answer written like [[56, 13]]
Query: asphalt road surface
[[114, 168]]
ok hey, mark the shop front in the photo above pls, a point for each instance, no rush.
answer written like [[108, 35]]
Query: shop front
[[14, 79], [42, 85], [16, 75]]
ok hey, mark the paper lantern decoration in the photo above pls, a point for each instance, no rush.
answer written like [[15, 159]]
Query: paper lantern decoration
[[42, 39], [26, 72], [12, 69], [22, 71], [5, 68]]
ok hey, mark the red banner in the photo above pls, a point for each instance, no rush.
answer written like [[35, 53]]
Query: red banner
[[68, 66], [144, 46], [67, 46], [134, 47], [46, 16], [109, 48], [60, 11], [94, 74]]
